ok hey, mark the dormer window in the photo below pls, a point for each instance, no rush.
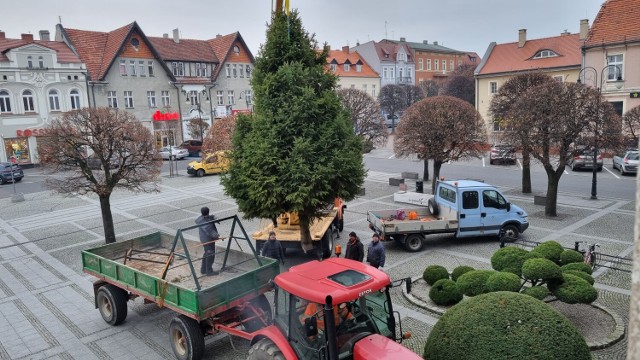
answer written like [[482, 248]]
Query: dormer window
[[347, 67], [333, 67], [359, 67], [545, 54]]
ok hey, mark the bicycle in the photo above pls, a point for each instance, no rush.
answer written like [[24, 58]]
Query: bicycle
[[590, 254]]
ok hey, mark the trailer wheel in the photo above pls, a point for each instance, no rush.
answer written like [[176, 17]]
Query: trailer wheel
[[186, 338], [326, 245], [260, 303], [112, 303], [510, 233], [265, 349], [433, 207], [414, 242]]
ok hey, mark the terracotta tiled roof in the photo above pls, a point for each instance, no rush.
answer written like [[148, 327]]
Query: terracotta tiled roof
[[340, 57], [221, 45], [388, 47], [616, 22], [185, 50], [64, 53], [509, 57]]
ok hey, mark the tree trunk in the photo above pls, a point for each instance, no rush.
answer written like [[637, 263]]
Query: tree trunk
[[107, 219], [425, 172], [436, 174], [550, 206], [305, 234], [526, 172]]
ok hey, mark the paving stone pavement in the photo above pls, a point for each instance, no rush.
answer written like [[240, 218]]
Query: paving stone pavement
[[46, 301]]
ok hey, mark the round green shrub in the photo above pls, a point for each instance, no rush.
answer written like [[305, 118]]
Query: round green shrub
[[458, 271], [581, 274], [578, 266], [538, 292], [503, 281], [473, 282], [573, 290], [445, 292], [549, 250], [541, 269], [509, 259], [504, 325], [434, 273], [571, 256]]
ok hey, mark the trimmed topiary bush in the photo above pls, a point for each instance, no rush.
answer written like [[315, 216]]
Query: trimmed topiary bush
[[581, 274], [578, 266], [504, 325], [538, 292], [445, 292], [457, 272], [434, 273], [473, 282], [510, 259], [503, 281], [573, 290], [540, 269], [571, 256], [549, 250]]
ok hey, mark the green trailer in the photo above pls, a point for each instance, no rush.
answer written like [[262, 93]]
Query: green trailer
[[162, 269]]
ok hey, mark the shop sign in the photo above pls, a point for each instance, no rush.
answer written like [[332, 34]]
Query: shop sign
[[159, 116], [31, 132], [247, 111]]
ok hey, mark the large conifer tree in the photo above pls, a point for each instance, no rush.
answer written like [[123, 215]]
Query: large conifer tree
[[298, 150]]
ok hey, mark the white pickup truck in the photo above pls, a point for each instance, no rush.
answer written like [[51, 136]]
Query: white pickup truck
[[465, 208]]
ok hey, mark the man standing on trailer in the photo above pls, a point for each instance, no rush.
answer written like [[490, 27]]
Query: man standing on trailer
[[208, 234]]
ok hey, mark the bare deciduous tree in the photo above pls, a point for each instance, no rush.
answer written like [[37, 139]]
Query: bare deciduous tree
[[393, 100], [631, 126], [413, 94], [220, 135], [366, 116], [441, 128], [461, 84], [430, 88], [197, 128], [98, 150]]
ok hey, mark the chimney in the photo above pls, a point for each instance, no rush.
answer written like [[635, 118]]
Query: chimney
[[426, 42], [403, 39], [584, 29], [176, 36], [435, 43], [2, 35], [218, 36], [44, 35], [565, 33], [345, 49], [328, 47], [165, 36], [27, 37], [522, 37]]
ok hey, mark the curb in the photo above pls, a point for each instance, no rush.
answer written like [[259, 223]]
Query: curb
[[615, 336]]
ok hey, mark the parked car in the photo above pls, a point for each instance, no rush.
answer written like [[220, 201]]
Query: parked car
[[626, 161], [168, 152], [583, 158], [194, 147], [502, 154], [214, 163], [9, 172]]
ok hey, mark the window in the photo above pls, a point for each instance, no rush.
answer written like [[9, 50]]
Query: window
[[27, 100], [420, 63], [199, 70], [436, 64], [128, 99], [558, 78], [493, 199], [459, 63], [359, 67], [402, 57], [240, 71], [470, 200], [373, 90], [429, 64], [248, 97], [29, 62], [493, 87], [220, 97], [409, 74], [448, 194], [451, 65], [334, 67], [248, 71], [166, 100], [615, 67], [5, 102], [177, 68], [141, 67], [400, 73], [180, 69], [132, 67], [112, 99], [392, 73], [353, 86], [235, 71], [544, 54], [54, 100], [444, 65], [228, 70], [75, 99], [40, 62], [150, 67], [364, 87], [193, 97], [231, 97], [151, 99], [347, 67]]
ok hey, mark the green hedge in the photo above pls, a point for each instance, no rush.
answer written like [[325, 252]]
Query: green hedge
[[550, 250], [538, 292], [473, 282], [434, 273], [510, 259], [578, 266], [504, 325], [503, 281], [541, 269], [573, 290], [571, 256], [445, 292], [582, 275], [458, 271]]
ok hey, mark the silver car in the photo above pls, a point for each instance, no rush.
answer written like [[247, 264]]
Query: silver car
[[173, 152], [583, 158], [626, 162]]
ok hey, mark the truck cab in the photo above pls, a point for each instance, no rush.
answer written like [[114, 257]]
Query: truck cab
[[213, 163]]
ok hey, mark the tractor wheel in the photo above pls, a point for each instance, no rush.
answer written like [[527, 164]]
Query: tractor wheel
[[186, 338], [112, 303], [265, 349]]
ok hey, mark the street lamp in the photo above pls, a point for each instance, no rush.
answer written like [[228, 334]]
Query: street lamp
[[618, 84], [193, 98]]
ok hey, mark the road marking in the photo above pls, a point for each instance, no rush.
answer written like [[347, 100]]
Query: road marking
[[483, 164], [611, 172], [392, 156], [519, 164], [565, 170]]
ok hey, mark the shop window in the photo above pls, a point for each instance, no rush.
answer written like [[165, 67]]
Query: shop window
[[19, 149]]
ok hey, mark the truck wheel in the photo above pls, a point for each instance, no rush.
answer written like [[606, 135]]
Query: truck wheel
[[326, 245], [200, 173], [186, 338], [265, 349], [260, 303], [433, 207], [511, 233], [112, 303], [414, 242]]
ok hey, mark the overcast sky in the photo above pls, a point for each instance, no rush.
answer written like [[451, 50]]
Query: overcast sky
[[466, 25]]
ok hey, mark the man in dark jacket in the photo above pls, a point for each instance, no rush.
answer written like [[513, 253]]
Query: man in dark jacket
[[208, 234], [272, 248], [355, 249], [375, 252]]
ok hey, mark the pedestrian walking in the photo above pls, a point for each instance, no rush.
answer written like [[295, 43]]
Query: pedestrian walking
[[375, 252], [208, 234], [355, 249], [272, 248]]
